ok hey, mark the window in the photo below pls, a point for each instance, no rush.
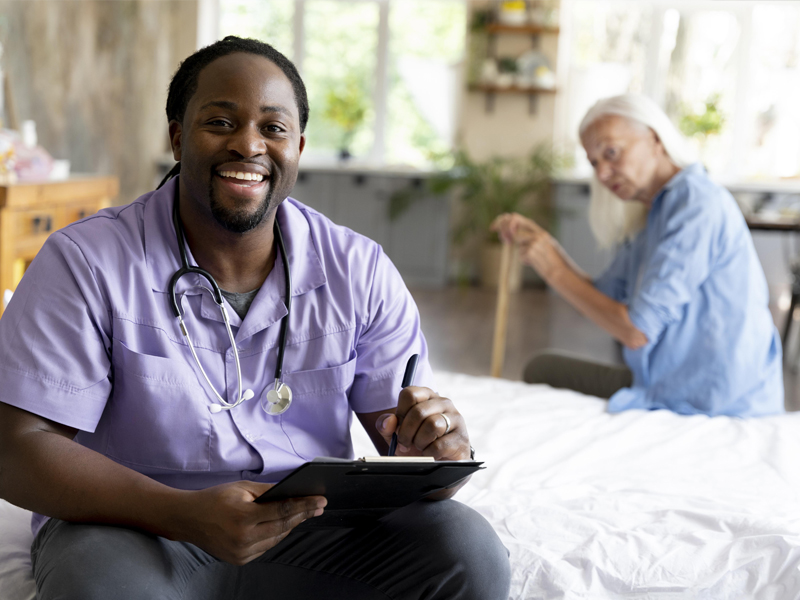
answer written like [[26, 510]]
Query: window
[[774, 101], [382, 75], [727, 73]]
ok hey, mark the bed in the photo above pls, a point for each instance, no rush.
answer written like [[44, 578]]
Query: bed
[[592, 505]]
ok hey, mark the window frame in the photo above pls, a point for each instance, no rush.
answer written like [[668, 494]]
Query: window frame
[[208, 32]]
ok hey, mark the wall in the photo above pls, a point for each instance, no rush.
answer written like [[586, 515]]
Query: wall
[[93, 75]]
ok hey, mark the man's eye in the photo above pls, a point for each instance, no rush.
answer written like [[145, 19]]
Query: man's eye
[[275, 129], [218, 123]]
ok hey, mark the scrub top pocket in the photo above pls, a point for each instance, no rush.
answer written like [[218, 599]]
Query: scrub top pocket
[[156, 402], [316, 416]]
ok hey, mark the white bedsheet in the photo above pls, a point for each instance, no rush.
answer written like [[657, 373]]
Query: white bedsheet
[[591, 505]]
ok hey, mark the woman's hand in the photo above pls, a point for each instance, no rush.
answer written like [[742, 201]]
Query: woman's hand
[[537, 247], [513, 228]]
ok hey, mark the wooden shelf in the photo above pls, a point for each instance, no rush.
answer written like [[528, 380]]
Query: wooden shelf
[[520, 29], [533, 94], [513, 89]]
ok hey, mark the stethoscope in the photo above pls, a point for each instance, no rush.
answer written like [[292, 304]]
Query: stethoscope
[[279, 398]]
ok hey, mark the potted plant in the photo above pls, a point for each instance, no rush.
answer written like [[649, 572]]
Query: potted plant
[[704, 124], [485, 189], [346, 106]]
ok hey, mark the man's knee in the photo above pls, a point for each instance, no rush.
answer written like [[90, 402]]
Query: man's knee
[[464, 550], [89, 562]]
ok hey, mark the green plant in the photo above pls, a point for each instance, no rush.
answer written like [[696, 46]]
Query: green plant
[[480, 20], [702, 125], [507, 64], [486, 189], [346, 106]]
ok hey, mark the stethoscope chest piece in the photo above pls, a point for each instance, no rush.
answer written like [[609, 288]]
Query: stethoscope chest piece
[[276, 400], [279, 399]]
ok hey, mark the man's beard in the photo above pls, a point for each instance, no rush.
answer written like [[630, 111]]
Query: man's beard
[[239, 221]]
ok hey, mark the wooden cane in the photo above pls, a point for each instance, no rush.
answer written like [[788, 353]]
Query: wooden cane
[[501, 314], [11, 112]]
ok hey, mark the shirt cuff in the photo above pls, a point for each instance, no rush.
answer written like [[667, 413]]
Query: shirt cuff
[[72, 407], [646, 320]]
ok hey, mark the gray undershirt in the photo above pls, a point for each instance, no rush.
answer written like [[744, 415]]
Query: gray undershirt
[[240, 302]]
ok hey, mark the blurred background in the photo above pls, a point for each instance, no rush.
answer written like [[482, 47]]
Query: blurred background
[[428, 118]]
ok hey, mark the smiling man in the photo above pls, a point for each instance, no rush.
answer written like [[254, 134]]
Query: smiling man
[[140, 435]]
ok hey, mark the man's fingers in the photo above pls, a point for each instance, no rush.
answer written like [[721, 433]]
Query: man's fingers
[[424, 422], [453, 446], [263, 541], [283, 510], [386, 425], [410, 397], [434, 427]]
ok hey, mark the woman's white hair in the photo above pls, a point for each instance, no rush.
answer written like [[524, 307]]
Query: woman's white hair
[[613, 220]]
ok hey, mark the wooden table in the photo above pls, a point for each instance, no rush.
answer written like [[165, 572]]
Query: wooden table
[[757, 224], [30, 212]]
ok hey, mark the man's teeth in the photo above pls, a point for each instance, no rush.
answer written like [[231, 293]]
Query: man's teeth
[[242, 175]]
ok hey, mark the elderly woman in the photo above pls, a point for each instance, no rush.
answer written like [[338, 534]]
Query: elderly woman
[[685, 293]]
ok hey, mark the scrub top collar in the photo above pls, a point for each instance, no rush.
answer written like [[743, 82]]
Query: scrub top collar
[[163, 259]]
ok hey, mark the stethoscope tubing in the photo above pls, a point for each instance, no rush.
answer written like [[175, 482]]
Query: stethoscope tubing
[[216, 293]]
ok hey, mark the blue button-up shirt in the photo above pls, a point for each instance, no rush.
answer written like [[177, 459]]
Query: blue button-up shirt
[[694, 286], [89, 340]]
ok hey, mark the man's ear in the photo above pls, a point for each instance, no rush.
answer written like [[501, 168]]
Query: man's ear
[[175, 132], [302, 143]]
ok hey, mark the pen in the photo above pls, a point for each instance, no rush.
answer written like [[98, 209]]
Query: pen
[[408, 379]]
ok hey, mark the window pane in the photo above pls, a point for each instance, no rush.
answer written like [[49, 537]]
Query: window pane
[[266, 20], [339, 71], [701, 81], [612, 33], [773, 148], [426, 47], [608, 52]]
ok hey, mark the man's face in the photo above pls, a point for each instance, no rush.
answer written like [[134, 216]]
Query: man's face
[[240, 142]]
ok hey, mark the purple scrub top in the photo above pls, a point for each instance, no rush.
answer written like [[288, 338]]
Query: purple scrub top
[[89, 340]]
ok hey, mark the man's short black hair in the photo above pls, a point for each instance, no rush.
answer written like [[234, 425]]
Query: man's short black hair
[[184, 82]]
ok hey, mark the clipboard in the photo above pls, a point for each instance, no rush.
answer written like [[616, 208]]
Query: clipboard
[[363, 490]]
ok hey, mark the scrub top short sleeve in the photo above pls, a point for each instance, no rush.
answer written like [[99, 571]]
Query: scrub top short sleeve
[[390, 337], [55, 363]]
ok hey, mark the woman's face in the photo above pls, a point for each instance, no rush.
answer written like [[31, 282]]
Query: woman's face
[[627, 157]]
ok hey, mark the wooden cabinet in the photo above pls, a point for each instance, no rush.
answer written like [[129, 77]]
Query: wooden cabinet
[[29, 212], [417, 241]]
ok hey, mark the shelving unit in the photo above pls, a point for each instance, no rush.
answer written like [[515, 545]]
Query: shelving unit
[[535, 32]]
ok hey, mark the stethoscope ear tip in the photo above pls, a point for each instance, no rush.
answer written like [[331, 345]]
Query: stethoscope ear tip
[[247, 395], [215, 408]]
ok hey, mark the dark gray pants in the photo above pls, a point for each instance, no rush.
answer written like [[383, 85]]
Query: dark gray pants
[[426, 550], [563, 370]]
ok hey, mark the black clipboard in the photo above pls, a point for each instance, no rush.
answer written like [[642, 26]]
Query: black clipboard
[[358, 491]]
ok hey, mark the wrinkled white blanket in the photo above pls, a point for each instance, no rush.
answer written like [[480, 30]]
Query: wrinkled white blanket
[[592, 505]]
